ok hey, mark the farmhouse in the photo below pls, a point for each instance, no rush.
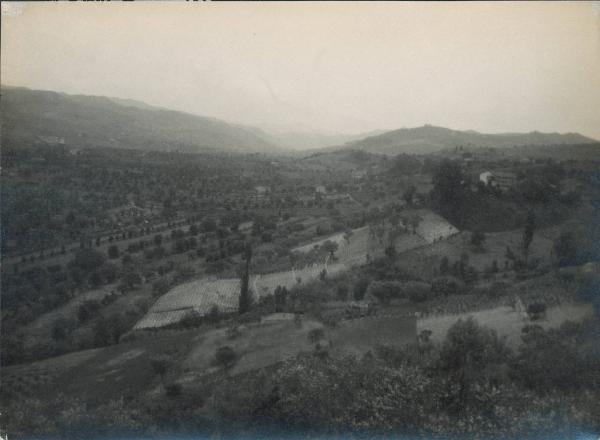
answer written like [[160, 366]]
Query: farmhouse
[[502, 180], [261, 190]]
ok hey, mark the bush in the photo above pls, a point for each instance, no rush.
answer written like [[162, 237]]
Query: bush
[[477, 239], [315, 335], [191, 319], [225, 357], [62, 328], [342, 292], [173, 390], [385, 291], [536, 310], [160, 365], [446, 286], [360, 289], [417, 291], [87, 310], [113, 252]]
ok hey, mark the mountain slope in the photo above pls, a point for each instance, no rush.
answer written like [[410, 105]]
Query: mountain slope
[[430, 139], [91, 121]]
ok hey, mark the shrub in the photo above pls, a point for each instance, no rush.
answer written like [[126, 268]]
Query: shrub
[[315, 335], [360, 289], [87, 310], [160, 365], [417, 291], [536, 310], [478, 239], [113, 252], [225, 357], [191, 319], [385, 291], [173, 390], [446, 286]]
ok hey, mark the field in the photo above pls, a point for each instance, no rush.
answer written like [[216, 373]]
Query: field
[[433, 227], [424, 262], [125, 369], [257, 346], [359, 336], [506, 321], [202, 295]]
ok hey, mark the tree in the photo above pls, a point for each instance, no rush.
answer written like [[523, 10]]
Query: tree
[[245, 300], [448, 181], [113, 252], [414, 221], [213, 315], [315, 335], [160, 365], [477, 239], [88, 260], [323, 275], [330, 247], [528, 232], [409, 194], [466, 353], [131, 279], [209, 225], [342, 292], [348, 235], [549, 359], [565, 249], [360, 289], [444, 265], [87, 310], [62, 328], [225, 357], [536, 310], [390, 251]]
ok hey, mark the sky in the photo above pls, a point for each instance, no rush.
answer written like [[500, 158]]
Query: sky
[[333, 67]]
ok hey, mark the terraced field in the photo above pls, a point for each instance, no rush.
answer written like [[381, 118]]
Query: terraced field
[[202, 295]]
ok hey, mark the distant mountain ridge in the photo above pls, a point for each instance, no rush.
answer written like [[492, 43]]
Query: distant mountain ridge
[[431, 139], [93, 121], [33, 116]]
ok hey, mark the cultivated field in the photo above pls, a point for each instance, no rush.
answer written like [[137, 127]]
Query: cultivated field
[[506, 321], [424, 262]]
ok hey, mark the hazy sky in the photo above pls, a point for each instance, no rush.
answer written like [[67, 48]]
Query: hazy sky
[[335, 67]]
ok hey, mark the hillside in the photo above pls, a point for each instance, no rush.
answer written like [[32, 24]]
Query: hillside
[[32, 116], [431, 139]]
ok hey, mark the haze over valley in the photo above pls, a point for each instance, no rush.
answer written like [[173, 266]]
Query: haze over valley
[[300, 220]]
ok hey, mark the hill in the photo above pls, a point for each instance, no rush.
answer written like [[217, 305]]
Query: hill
[[431, 139], [34, 117]]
